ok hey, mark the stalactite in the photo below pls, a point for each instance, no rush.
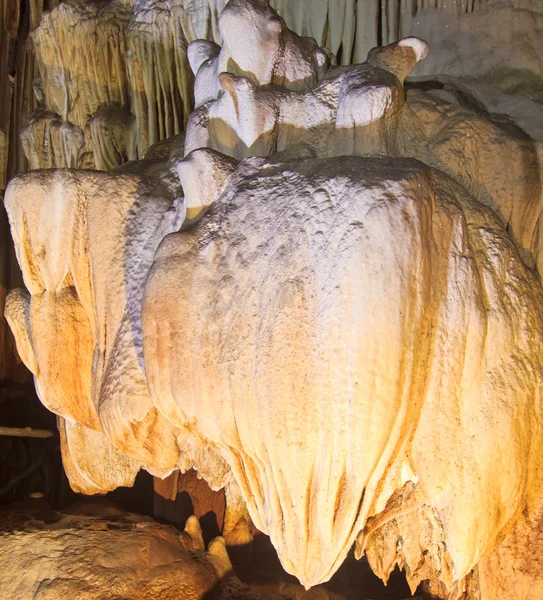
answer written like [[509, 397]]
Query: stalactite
[[49, 142], [80, 53], [159, 74]]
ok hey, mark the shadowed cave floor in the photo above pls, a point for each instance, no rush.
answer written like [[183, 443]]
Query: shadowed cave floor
[[353, 581]]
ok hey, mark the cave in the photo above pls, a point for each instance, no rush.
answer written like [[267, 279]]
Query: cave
[[271, 310]]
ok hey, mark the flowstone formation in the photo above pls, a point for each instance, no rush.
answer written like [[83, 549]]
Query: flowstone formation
[[120, 81], [326, 300]]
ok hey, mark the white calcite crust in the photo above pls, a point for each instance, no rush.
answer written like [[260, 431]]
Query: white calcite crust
[[356, 321]]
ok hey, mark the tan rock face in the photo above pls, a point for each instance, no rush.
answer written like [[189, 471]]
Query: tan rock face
[[343, 329], [100, 552], [76, 324]]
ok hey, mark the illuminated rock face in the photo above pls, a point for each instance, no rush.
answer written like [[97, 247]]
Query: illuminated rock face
[[352, 338], [340, 324], [85, 242], [98, 551], [78, 320]]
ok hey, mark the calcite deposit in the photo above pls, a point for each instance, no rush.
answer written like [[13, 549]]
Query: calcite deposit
[[133, 57], [325, 299], [364, 322], [98, 551]]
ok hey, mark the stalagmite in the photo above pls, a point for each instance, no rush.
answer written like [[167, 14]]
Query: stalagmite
[[354, 110], [204, 175]]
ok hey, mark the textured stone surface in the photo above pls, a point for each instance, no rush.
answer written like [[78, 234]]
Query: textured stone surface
[[133, 55], [345, 312], [343, 330], [82, 315], [97, 551]]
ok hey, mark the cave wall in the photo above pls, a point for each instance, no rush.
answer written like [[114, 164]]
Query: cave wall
[[17, 70]]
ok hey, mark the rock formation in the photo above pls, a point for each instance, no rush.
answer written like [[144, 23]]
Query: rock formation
[[133, 56], [97, 551], [334, 300], [323, 301], [79, 328], [115, 76], [93, 300]]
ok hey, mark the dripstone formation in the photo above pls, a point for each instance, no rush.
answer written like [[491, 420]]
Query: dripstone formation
[[325, 298]]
